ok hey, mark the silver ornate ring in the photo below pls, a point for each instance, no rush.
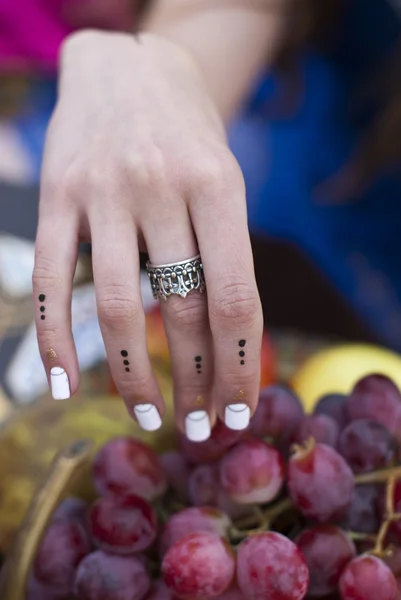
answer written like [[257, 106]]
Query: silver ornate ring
[[177, 279]]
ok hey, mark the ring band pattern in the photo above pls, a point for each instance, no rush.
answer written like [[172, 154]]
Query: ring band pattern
[[177, 279]]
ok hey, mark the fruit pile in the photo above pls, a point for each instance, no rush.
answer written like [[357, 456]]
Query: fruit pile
[[297, 506]]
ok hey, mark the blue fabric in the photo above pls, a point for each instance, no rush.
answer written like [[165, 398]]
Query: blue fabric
[[284, 159], [31, 123]]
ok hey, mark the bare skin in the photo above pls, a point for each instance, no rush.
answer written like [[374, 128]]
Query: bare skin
[[136, 158]]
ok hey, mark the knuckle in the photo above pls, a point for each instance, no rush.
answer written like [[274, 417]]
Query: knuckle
[[89, 174], [134, 385], [190, 314], [69, 183], [235, 303], [117, 306], [207, 171], [48, 333], [45, 274], [189, 388], [97, 177], [238, 380], [146, 167], [215, 170], [232, 173]]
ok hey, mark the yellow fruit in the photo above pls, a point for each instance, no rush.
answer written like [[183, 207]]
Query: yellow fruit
[[338, 368]]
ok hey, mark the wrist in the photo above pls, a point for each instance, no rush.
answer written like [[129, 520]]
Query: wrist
[[88, 42]]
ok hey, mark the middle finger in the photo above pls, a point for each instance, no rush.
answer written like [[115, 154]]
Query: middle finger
[[187, 327]]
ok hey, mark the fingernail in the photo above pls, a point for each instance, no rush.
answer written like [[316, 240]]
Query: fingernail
[[59, 383], [148, 417], [237, 416], [197, 426]]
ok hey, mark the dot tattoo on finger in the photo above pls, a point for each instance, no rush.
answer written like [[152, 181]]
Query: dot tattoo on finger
[[198, 361], [124, 353], [241, 344], [42, 308]]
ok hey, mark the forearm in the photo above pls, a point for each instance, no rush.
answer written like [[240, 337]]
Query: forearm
[[231, 41]]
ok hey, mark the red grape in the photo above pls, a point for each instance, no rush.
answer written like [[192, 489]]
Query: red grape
[[125, 465], [159, 591], [362, 514], [334, 406], [72, 509], [177, 472], [191, 520], [199, 566], [395, 527], [271, 567], [322, 428], [123, 525], [64, 545], [233, 593], [102, 576], [232, 509], [366, 445], [212, 449], [252, 472], [394, 561], [376, 397], [203, 485], [368, 578], [327, 550], [204, 489], [37, 590], [277, 415], [320, 482]]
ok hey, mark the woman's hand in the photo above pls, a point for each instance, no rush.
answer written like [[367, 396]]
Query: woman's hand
[[136, 157]]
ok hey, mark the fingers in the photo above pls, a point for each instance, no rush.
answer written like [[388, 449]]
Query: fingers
[[187, 329], [116, 275], [55, 263], [235, 313]]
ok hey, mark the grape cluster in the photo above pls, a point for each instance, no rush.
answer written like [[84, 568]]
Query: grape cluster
[[296, 506]]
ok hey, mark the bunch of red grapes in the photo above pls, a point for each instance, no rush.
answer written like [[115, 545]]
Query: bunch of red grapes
[[276, 512]]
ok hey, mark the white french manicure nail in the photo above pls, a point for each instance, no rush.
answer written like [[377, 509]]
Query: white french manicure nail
[[59, 383], [148, 417], [197, 426], [237, 416]]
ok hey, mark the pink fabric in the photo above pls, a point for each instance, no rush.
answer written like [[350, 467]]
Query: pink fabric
[[31, 31]]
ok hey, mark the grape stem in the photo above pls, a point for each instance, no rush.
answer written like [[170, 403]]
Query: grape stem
[[259, 521], [359, 536], [390, 516], [388, 476], [305, 448], [166, 506], [382, 476]]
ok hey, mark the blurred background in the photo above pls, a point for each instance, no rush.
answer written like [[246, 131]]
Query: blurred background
[[318, 140]]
